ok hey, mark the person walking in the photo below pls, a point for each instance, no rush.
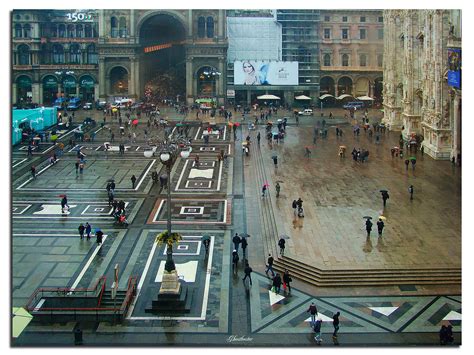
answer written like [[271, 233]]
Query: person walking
[[270, 265], [299, 203], [33, 172], [258, 138], [134, 179], [406, 164], [264, 189], [81, 229], [380, 226], [286, 281], [275, 161], [313, 311], [413, 164], [317, 330], [294, 205], [64, 203], [410, 190], [281, 244], [368, 227], [243, 242], [385, 197], [236, 240], [247, 271], [277, 188], [335, 324], [277, 283], [99, 235], [235, 261], [81, 167], [88, 230]]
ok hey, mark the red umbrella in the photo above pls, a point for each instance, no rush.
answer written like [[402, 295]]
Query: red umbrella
[[135, 121], [62, 195], [236, 124]]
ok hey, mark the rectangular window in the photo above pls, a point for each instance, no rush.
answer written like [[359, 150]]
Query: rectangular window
[[327, 18], [363, 60], [344, 18], [380, 18], [362, 19], [380, 60], [362, 33], [345, 33], [380, 33], [327, 33]]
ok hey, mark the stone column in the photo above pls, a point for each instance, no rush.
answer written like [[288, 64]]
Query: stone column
[[14, 92], [222, 19], [101, 23], [189, 81], [138, 88], [456, 127], [131, 79], [249, 97], [102, 83], [35, 88], [221, 88], [190, 23], [96, 92], [78, 91], [132, 25], [40, 93]]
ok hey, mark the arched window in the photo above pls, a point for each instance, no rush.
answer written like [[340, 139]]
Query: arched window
[[27, 31], [71, 31], [363, 60], [327, 60], [45, 54], [88, 31], [201, 27], [79, 31], [18, 31], [62, 31], [210, 27], [123, 27], [23, 55], [345, 60], [58, 54], [75, 54], [91, 55], [113, 27]]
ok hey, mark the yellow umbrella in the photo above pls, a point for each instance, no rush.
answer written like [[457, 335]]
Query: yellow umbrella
[[20, 319], [383, 218]]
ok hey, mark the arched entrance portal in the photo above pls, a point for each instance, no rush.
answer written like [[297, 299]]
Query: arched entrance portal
[[23, 87], [119, 81], [162, 62], [206, 81], [344, 86]]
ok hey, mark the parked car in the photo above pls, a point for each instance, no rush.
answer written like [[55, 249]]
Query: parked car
[[60, 103], [354, 105], [89, 121], [100, 105], [74, 103], [306, 112], [87, 106]]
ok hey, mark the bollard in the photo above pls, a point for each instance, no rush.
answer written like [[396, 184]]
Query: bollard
[[77, 336]]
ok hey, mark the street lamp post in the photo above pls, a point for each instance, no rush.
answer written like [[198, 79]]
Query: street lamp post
[[169, 151]]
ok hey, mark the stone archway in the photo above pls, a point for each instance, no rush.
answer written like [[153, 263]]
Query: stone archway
[[344, 86], [362, 87], [118, 81]]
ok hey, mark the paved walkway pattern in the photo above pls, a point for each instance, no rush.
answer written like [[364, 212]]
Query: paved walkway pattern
[[218, 200]]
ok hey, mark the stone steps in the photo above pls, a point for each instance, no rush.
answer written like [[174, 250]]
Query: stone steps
[[374, 277]]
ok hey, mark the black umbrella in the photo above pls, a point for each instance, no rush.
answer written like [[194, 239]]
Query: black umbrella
[[245, 235], [274, 157], [205, 237], [382, 191], [367, 217], [111, 180]]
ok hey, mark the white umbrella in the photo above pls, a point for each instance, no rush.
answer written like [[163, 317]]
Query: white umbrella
[[325, 95], [268, 97], [365, 98], [343, 96], [302, 97]]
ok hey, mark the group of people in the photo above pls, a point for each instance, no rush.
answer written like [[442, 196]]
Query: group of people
[[297, 206], [316, 323]]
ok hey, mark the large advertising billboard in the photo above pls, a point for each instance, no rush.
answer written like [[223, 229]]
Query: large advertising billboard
[[454, 67], [265, 73]]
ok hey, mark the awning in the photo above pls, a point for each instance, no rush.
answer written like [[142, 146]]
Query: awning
[[325, 96], [343, 96], [268, 97], [302, 97], [365, 98]]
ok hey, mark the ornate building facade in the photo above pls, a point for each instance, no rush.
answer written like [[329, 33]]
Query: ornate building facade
[[351, 52], [100, 54], [417, 97]]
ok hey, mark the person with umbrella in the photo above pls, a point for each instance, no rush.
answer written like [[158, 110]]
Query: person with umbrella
[[385, 197], [281, 244], [380, 225], [410, 190], [368, 226], [413, 163]]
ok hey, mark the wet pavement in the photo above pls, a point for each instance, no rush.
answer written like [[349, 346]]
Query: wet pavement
[[219, 200]]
